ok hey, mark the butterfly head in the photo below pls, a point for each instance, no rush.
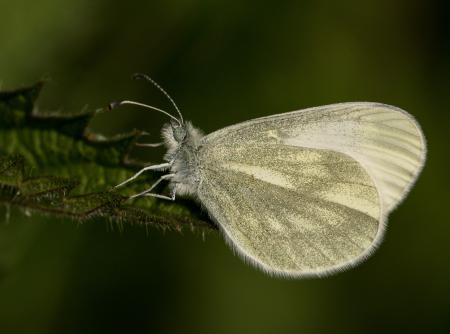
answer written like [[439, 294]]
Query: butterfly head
[[176, 134], [178, 131]]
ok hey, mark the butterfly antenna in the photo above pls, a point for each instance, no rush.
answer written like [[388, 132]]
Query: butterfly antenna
[[114, 105], [138, 76]]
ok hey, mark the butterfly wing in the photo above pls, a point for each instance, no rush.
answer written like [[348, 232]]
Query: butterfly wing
[[306, 193]]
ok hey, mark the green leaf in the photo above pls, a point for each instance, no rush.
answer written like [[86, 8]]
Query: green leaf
[[50, 163]]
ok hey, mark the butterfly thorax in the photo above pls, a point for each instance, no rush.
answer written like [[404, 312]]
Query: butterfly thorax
[[182, 143]]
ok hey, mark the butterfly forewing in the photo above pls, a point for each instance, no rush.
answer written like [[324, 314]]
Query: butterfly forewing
[[386, 140]]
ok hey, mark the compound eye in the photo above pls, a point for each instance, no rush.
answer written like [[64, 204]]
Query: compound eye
[[174, 124]]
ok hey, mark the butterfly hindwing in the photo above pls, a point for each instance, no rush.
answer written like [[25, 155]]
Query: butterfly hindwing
[[292, 211]]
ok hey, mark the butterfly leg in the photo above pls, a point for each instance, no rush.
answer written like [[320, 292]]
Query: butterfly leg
[[146, 192], [154, 167], [149, 145], [170, 198]]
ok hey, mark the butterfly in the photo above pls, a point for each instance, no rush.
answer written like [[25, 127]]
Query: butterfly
[[298, 194]]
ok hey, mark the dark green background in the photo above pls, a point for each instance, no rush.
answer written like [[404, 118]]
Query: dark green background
[[224, 62]]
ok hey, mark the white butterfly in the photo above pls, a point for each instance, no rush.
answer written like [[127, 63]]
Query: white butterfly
[[304, 193]]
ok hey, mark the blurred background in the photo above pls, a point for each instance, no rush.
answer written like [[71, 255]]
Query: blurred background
[[225, 62]]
